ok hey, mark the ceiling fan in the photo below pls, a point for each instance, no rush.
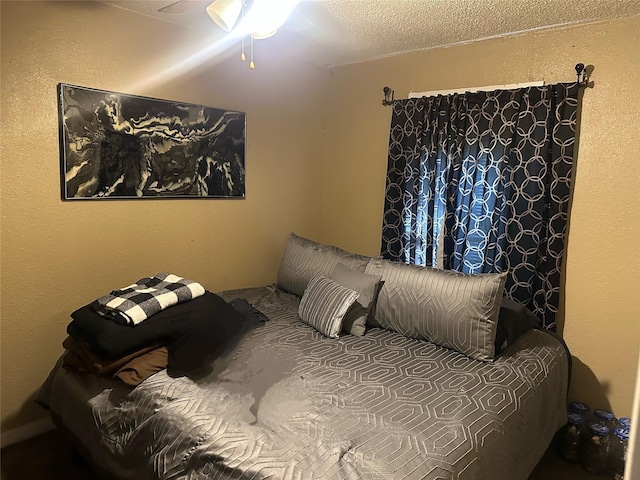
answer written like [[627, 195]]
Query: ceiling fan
[[180, 6], [227, 12], [255, 19]]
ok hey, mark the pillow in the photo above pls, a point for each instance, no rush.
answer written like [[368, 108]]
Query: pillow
[[304, 258], [367, 286], [451, 309], [324, 305], [514, 319]]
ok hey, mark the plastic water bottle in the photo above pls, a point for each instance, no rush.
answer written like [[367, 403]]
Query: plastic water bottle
[[618, 453], [594, 450], [624, 422], [579, 408], [570, 438], [606, 417]]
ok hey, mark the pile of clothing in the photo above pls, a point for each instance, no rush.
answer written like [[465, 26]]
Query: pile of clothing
[[159, 322]]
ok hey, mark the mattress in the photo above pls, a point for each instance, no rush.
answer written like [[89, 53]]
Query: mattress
[[289, 403]]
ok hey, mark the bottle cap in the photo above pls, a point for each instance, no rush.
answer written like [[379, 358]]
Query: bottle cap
[[579, 407], [621, 433], [575, 418], [604, 414], [599, 429], [625, 422]]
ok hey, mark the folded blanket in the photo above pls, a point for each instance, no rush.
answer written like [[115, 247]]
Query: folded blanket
[[134, 304], [194, 331], [132, 369]]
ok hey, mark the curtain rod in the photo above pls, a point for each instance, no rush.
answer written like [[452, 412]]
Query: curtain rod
[[581, 73], [485, 88]]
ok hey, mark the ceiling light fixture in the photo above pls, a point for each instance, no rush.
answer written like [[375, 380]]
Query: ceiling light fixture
[[260, 19], [225, 13], [261, 35]]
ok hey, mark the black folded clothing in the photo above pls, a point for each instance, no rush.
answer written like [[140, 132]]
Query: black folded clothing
[[244, 307], [194, 331]]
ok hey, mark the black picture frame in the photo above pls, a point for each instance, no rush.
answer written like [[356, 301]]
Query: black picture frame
[[119, 146]]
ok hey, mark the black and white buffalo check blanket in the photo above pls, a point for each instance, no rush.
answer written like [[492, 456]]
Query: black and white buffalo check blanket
[[134, 304]]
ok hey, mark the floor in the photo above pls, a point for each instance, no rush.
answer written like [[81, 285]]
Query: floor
[[49, 457], [45, 457], [551, 467]]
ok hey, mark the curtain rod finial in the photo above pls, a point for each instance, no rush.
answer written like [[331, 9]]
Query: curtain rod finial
[[388, 96], [582, 74]]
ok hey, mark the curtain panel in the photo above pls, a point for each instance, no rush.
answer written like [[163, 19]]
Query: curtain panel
[[483, 181]]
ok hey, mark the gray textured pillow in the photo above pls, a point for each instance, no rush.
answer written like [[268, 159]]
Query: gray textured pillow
[[367, 286], [455, 310], [304, 258], [324, 305]]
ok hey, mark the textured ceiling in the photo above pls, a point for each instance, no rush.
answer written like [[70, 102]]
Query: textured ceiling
[[349, 31]]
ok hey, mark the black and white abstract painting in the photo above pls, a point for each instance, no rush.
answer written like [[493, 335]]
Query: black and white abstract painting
[[124, 146]]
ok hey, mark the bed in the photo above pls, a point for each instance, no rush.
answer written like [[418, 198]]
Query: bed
[[290, 402]]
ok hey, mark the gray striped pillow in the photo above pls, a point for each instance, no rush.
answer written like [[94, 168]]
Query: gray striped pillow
[[452, 309], [304, 258], [367, 286], [324, 305]]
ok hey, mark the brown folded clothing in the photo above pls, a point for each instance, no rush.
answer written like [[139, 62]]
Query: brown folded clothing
[[132, 369]]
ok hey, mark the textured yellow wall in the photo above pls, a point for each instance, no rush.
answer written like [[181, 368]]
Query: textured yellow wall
[[57, 256], [601, 300]]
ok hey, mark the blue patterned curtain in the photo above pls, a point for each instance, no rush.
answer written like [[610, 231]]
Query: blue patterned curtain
[[487, 177]]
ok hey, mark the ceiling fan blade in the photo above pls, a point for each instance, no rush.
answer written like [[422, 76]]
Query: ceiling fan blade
[[180, 6]]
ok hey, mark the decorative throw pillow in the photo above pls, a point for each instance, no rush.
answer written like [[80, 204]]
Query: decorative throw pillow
[[514, 320], [324, 305], [451, 309], [367, 286], [304, 258]]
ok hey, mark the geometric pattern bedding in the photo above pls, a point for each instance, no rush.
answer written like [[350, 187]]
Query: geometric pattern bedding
[[289, 403]]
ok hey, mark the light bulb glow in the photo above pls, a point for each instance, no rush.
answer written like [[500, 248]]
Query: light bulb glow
[[266, 17]]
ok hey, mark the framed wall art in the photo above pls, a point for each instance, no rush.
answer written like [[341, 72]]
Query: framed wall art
[[118, 146]]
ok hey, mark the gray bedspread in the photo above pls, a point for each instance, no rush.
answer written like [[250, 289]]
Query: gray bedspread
[[289, 403]]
